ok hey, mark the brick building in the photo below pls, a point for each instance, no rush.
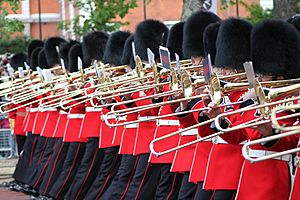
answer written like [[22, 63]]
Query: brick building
[[55, 11]]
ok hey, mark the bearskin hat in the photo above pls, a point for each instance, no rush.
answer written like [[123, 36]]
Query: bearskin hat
[[275, 49], [114, 47], [74, 53], [34, 58], [32, 46], [174, 42], [51, 50], [150, 34], [209, 40], [193, 32], [127, 57], [233, 43], [17, 60], [93, 46], [42, 60], [64, 48], [295, 20]]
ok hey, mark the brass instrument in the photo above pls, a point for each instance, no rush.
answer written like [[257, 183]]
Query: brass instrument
[[290, 131], [273, 94]]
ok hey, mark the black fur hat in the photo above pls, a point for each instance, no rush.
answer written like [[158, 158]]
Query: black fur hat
[[174, 42], [74, 53], [34, 58], [64, 48], [295, 20], [31, 47], [93, 46], [233, 43], [42, 60], [114, 47], [17, 60], [150, 34], [193, 32], [51, 51], [127, 57], [209, 40], [275, 49]]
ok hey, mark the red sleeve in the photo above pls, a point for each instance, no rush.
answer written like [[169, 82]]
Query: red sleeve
[[187, 121], [12, 114]]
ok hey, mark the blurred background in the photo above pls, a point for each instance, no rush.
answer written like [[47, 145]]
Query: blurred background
[[23, 20]]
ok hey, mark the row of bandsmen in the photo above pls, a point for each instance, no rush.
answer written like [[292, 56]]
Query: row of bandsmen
[[74, 154]]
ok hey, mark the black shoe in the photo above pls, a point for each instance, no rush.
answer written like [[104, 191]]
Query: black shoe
[[8, 184], [16, 188], [27, 189], [41, 197]]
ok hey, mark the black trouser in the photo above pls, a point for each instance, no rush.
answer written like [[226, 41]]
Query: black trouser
[[106, 174], [37, 176], [54, 167], [25, 158], [187, 189], [145, 179], [224, 194], [36, 159], [203, 194], [87, 171], [20, 140], [71, 163], [121, 182], [169, 183]]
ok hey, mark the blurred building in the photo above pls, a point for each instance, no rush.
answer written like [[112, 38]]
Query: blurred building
[[55, 11], [52, 12]]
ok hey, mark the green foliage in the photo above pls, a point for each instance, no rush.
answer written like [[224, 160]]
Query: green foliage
[[8, 26], [225, 3], [18, 44], [257, 13], [103, 15]]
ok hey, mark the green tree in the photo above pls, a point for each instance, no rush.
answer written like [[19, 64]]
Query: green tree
[[8, 26], [104, 15], [256, 13]]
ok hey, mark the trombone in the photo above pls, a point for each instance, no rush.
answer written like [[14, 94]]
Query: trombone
[[251, 123], [265, 103], [291, 131], [215, 93]]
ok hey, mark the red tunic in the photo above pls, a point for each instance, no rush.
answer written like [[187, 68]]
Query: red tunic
[[106, 132], [18, 115], [50, 125], [184, 157], [225, 160], [129, 135], [118, 130], [60, 126], [269, 179], [74, 122], [202, 150], [146, 129], [162, 130], [91, 121], [26, 119], [117, 135], [32, 110], [295, 194]]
